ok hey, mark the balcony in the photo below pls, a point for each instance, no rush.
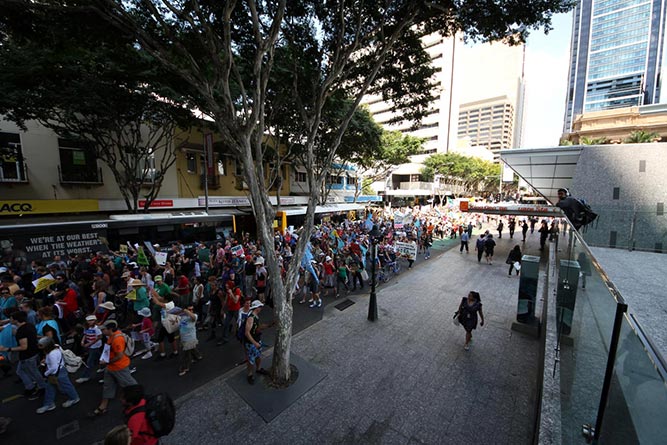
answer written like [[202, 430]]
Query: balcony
[[80, 176], [17, 174]]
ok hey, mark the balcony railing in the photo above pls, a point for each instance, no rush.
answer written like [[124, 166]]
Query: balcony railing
[[601, 370], [23, 175], [90, 177], [416, 185]]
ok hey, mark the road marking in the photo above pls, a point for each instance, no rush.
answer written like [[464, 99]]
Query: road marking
[[12, 398]]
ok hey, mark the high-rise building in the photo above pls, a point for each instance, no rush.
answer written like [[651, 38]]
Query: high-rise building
[[616, 56], [467, 76]]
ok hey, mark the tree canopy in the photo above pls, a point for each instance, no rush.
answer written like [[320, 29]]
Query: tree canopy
[[474, 174], [75, 73]]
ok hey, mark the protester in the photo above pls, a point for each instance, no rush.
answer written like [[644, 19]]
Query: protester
[[27, 369], [117, 372], [57, 377], [92, 341], [514, 257], [189, 342], [252, 342], [134, 409]]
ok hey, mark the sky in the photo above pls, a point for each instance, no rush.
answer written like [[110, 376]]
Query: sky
[[546, 70]]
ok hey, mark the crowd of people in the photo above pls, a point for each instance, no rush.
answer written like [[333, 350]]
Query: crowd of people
[[119, 305]]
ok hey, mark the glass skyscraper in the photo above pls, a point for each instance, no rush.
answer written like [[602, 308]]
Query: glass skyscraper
[[616, 55]]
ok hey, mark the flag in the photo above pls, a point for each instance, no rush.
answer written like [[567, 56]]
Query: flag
[[307, 264], [369, 222]]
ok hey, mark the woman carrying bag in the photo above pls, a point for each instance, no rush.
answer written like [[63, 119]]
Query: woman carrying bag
[[57, 377], [467, 315], [514, 260]]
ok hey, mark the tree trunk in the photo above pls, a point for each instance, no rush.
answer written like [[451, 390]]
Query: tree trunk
[[280, 369]]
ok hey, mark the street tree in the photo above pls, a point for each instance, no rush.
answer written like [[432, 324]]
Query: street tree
[[472, 173], [74, 73], [224, 52], [394, 149]]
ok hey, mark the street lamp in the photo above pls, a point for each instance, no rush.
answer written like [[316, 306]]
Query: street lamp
[[373, 304]]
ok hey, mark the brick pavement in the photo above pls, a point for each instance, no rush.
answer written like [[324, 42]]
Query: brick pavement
[[402, 379]]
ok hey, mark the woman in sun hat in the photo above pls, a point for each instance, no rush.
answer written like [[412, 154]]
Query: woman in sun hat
[[142, 296]]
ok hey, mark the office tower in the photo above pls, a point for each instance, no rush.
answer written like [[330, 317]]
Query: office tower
[[615, 57], [469, 79]]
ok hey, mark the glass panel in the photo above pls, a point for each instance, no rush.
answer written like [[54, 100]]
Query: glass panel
[[637, 402], [636, 229], [586, 309]]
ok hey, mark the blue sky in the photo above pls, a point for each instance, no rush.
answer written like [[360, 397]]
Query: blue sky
[[546, 83]]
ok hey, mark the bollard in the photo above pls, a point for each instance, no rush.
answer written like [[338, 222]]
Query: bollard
[[526, 321]]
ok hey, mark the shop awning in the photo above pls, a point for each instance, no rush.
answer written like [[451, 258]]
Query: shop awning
[[545, 169]]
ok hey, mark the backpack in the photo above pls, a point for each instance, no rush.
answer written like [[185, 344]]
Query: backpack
[[129, 344], [72, 361], [160, 414], [586, 215], [240, 333]]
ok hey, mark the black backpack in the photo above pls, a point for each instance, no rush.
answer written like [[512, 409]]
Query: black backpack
[[586, 215], [160, 413]]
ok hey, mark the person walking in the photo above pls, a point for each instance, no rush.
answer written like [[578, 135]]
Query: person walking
[[500, 227], [117, 371], [232, 306], [489, 245], [514, 257], [524, 230], [467, 315], [464, 242], [189, 342], [252, 342], [479, 247], [56, 377], [544, 234], [27, 368], [511, 225], [134, 409], [92, 341]]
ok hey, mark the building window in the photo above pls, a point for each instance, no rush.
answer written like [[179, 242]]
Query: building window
[[78, 163], [351, 180], [146, 170], [642, 166], [221, 167], [617, 193], [300, 177], [12, 167], [191, 160]]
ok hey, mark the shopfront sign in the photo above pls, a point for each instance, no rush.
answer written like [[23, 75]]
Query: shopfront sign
[[45, 206]]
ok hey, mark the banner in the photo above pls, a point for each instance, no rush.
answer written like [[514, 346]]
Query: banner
[[406, 250], [161, 258], [62, 243]]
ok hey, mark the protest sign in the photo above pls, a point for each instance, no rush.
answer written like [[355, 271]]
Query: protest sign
[[406, 250], [161, 258], [237, 250], [42, 283]]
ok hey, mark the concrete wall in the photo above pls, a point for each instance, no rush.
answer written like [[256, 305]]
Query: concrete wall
[[633, 213]]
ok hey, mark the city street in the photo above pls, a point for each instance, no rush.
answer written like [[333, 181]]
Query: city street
[[72, 426]]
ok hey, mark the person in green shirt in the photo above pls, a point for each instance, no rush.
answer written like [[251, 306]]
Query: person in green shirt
[[142, 296], [161, 287]]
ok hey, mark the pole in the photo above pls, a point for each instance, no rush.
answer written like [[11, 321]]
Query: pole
[[208, 150], [373, 304]]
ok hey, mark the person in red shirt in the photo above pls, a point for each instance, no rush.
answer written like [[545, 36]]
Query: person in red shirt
[[134, 410], [232, 306], [183, 289], [68, 301]]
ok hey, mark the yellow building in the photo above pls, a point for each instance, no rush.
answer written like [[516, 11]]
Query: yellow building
[[617, 124], [225, 174]]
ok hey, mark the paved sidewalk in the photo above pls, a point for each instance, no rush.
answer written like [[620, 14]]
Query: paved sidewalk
[[404, 378]]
